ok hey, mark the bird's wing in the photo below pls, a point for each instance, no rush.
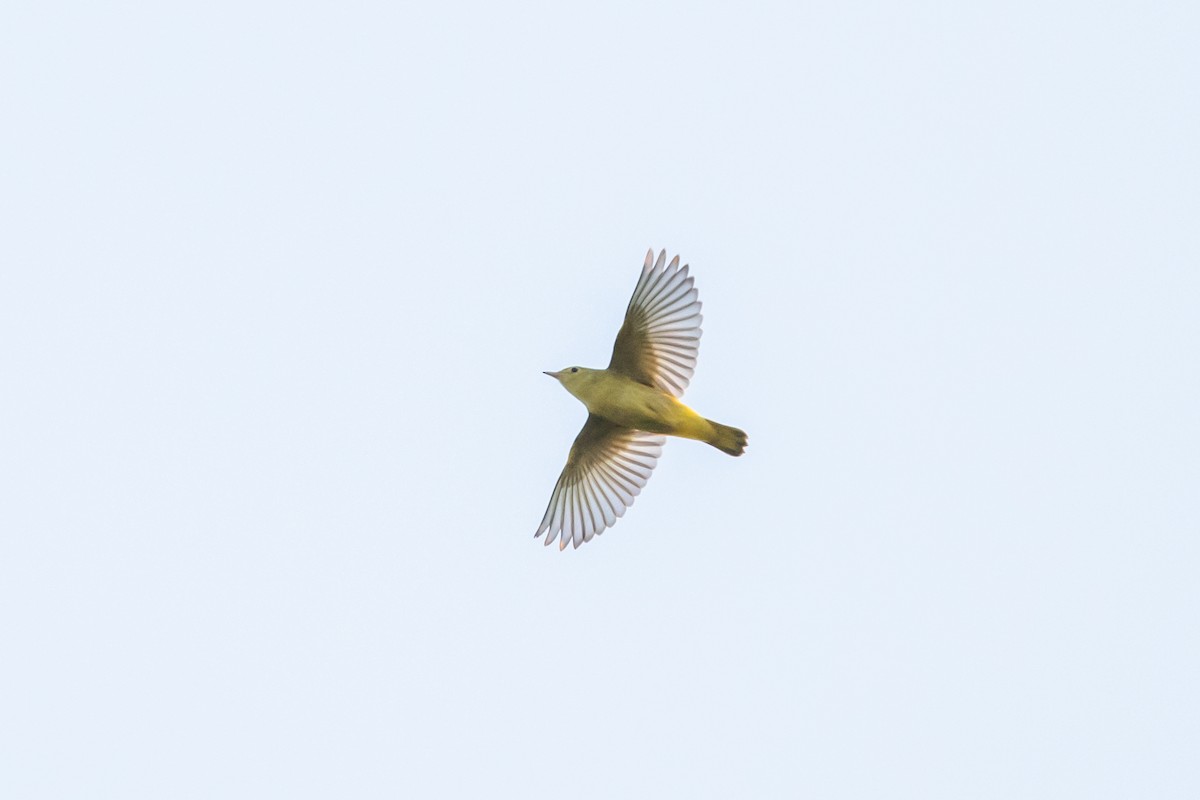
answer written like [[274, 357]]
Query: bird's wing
[[659, 340], [607, 468]]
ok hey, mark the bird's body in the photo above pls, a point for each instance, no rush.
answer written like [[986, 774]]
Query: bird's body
[[632, 406]]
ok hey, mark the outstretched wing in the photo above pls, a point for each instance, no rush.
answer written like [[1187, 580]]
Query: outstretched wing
[[606, 470], [660, 338]]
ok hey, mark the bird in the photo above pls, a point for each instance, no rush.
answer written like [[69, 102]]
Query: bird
[[633, 405]]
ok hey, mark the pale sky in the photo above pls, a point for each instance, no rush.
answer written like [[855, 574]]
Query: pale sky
[[278, 282]]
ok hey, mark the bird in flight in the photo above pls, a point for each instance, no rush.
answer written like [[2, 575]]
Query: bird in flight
[[631, 405]]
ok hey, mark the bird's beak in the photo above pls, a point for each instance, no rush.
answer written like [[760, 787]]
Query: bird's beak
[[551, 374]]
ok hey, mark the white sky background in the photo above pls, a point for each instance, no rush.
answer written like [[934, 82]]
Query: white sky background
[[277, 285]]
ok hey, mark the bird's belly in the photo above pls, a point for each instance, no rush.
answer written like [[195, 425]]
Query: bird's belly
[[641, 407]]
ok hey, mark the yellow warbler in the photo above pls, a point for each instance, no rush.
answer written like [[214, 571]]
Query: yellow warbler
[[631, 405]]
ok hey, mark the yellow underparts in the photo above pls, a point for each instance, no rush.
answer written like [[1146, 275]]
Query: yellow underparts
[[626, 402]]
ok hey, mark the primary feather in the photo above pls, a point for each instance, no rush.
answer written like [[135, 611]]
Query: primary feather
[[660, 337], [606, 469]]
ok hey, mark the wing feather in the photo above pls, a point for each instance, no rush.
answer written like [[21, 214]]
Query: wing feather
[[660, 337], [606, 469]]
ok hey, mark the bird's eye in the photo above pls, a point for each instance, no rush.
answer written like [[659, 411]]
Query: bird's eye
[[574, 369]]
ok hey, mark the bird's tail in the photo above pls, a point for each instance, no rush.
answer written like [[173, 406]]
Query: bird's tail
[[727, 439]]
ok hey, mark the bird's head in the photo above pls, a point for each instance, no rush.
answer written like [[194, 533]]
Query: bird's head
[[572, 377]]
